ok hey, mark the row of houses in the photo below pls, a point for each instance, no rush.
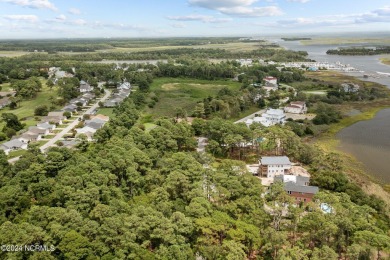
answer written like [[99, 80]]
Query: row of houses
[[123, 91], [48, 123], [33, 134]]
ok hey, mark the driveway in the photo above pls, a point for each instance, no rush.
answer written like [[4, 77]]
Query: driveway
[[242, 120]]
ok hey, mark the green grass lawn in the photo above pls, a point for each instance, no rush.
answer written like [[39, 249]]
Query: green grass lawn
[[105, 111], [16, 153], [176, 93], [149, 126]]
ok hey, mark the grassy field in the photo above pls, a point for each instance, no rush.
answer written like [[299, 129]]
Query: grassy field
[[13, 53], [5, 87], [231, 46], [25, 110], [105, 111], [336, 78], [184, 93], [386, 60], [345, 40]]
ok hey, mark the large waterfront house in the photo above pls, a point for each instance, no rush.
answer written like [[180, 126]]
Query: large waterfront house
[[270, 166]]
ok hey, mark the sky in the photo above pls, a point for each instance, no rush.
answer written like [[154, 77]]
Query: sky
[[183, 18]]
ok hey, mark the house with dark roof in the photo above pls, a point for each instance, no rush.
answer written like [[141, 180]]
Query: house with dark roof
[[13, 145], [270, 166], [298, 187]]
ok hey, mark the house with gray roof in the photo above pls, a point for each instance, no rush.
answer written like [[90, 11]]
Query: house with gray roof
[[13, 145], [5, 101], [85, 87], [298, 187], [29, 137], [47, 125], [36, 130]]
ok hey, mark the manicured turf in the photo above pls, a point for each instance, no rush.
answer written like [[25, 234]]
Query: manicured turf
[[105, 111], [176, 93]]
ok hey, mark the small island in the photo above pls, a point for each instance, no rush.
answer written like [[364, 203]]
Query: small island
[[296, 39], [352, 51]]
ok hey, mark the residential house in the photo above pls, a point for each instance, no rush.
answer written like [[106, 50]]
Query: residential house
[[55, 117], [79, 101], [271, 117], [5, 101], [124, 86], [350, 87], [13, 145], [72, 108], [274, 165], [29, 137], [296, 107], [95, 124], [298, 187], [271, 80], [86, 130], [85, 87], [88, 96], [47, 125], [36, 130], [112, 102]]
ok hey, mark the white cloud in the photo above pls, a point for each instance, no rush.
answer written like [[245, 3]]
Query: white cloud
[[74, 11], [36, 4], [201, 18], [216, 4], [376, 16], [61, 17], [240, 8], [252, 11], [24, 18], [299, 1]]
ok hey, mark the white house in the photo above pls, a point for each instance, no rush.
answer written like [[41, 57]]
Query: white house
[[350, 87], [124, 86], [271, 80], [297, 107], [271, 117], [270, 166]]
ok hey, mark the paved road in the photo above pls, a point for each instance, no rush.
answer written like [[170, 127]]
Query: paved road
[[67, 129], [242, 120]]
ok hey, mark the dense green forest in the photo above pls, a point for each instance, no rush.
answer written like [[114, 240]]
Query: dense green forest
[[91, 45], [360, 51], [140, 194]]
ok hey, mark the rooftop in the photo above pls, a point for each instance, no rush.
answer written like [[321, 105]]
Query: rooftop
[[267, 160]]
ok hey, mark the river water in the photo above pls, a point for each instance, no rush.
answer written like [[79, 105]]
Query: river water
[[371, 65], [368, 141]]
